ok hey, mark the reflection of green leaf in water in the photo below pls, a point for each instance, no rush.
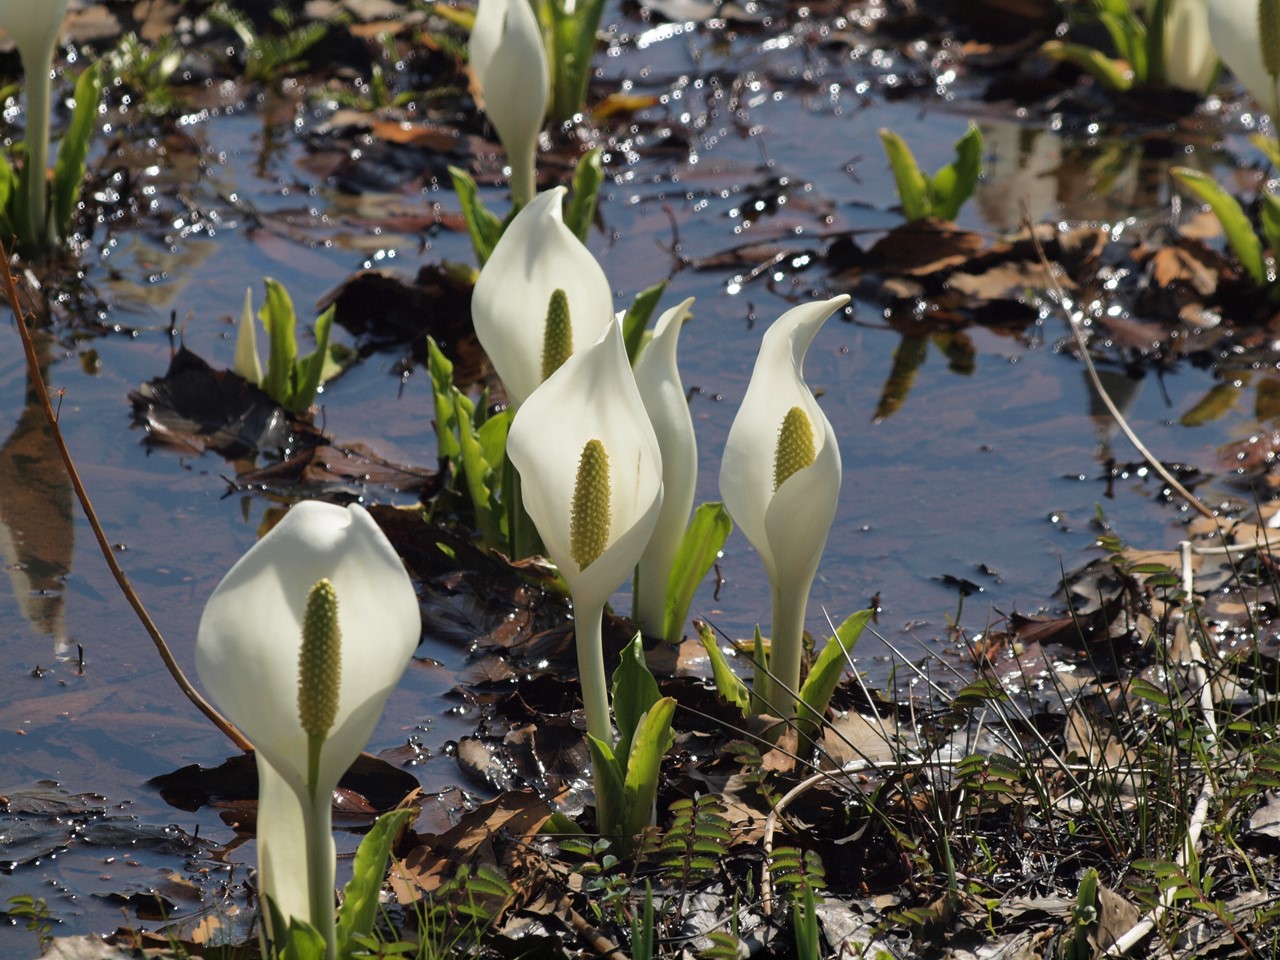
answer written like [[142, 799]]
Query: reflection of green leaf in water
[[1266, 402], [906, 361], [962, 357], [1213, 405]]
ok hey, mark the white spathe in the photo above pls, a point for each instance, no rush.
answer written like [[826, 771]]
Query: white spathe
[[788, 526], [1190, 60], [536, 256], [1233, 27], [593, 396], [510, 65], [247, 651], [658, 379]]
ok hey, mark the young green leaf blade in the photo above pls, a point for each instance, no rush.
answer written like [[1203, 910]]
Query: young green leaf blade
[[1235, 224], [280, 320], [443, 391], [580, 211], [360, 896], [610, 798], [728, 684], [952, 185], [637, 318], [827, 669], [913, 188], [701, 544], [634, 693], [477, 473], [309, 371], [1110, 73], [73, 151], [644, 766], [482, 226]]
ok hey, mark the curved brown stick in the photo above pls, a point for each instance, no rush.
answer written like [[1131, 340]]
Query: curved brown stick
[[42, 392]]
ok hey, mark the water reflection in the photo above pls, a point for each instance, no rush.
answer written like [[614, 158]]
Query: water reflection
[[1042, 174], [1123, 390], [37, 534]]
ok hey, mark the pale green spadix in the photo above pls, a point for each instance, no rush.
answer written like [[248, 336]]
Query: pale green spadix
[[319, 661], [589, 521], [796, 448], [1269, 36], [557, 335]]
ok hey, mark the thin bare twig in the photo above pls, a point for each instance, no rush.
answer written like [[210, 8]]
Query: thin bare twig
[[42, 392]]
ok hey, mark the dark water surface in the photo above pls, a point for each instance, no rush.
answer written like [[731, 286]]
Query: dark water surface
[[992, 477]]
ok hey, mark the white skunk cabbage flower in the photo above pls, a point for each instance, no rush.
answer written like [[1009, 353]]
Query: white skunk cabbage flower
[[1249, 43], [510, 64], [540, 296], [591, 478], [300, 645], [658, 378], [780, 482], [1190, 61], [33, 26], [248, 363]]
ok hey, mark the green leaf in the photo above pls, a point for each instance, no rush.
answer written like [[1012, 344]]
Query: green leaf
[[1269, 220], [479, 474], [360, 897], [699, 547], [308, 372], [493, 440], [484, 228], [637, 318], [1269, 147], [610, 795], [1110, 73], [952, 185], [441, 371], [8, 183], [278, 317], [587, 178], [825, 674], [69, 169], [728, 684], [761, 684], [634, 693], [913, 187], [1240, 236], [644, 765]]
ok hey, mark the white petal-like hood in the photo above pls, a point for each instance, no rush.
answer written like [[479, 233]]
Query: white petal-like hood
[[658, 379], [33, 25], [510, 63], [1233, 26], [1189, 57], [788, 527], [593, 396], [536, 256], [250, 635]]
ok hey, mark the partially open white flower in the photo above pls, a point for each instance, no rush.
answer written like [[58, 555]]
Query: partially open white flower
[[780, 481], [658, 378], [591, 478], [308, 714], [1236, 31], [248, 363], [527, 330], [510, 64]]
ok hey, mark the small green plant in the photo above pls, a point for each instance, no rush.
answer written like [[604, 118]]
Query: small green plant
[[627, 771], [1244, 238], [1157, 43], [289, 380], [472, 442], [270, 57], [940, 195], [147, 70], [819, 684], [1084, 916], [39, 214], [569, 33], [34, 912], [485, 229]]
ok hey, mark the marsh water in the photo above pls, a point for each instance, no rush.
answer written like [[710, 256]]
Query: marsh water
[[961, 505]]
